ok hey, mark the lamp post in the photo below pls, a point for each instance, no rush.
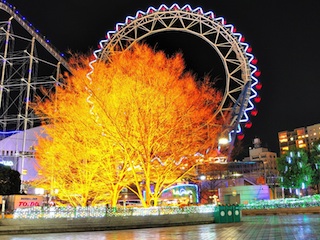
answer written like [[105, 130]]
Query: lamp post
[[124, 201], [214, 199]]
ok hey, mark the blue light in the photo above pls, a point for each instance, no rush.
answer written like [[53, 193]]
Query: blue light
[[10, 132]]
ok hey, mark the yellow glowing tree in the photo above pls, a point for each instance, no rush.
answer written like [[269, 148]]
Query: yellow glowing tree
[[72, 158], [157, 113], [145, 126]]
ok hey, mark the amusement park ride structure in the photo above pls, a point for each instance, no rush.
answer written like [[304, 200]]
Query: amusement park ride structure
[[29, 63]]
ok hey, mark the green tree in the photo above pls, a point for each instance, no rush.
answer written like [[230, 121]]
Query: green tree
[[295, 170], [10, 181], [315, 164]]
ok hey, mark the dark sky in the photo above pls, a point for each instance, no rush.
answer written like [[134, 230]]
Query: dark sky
[[284, 36]]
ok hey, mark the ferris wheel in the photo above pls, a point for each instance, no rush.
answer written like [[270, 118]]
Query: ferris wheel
[[239, 64]]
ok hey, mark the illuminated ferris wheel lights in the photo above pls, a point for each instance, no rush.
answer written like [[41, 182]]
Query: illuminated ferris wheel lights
[[139, 14], [254, 112], [198, 10], [129, 18], [163, 8], [249, 49], [249, 107], [248, 124], [259, 86], [257, 73], [254, 61], [119, 26], [174, 6], [209, 14], [221, 20], [151, 10], [257, 99], [187, 8], [240, 136]]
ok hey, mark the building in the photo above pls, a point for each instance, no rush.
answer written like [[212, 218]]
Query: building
[[261, 154], [313, 134], [17, 151], [297, 138], [301, 138]]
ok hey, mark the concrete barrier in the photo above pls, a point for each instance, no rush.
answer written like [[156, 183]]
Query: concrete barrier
[[30, 226]]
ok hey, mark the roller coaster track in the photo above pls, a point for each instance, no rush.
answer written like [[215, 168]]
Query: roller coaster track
[[5, 6]]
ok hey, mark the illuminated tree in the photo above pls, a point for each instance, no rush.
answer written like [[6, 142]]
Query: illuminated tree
[[140, 121], [72, 159], [315, 163], [294, 169], [158, 114]]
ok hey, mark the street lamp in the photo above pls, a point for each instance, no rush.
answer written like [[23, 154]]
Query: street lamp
[[124, 201], [202, 177], [223, 141]]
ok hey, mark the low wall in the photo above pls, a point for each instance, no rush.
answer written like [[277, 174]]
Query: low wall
[[281, 211], [23, 226]]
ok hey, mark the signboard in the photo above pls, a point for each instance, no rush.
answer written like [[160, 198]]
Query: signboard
[[25, 201], [183, 191]]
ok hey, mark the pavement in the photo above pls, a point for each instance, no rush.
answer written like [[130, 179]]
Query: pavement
[[279, 227]]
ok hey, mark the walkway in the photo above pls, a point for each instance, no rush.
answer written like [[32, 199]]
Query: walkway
[[279, 227]]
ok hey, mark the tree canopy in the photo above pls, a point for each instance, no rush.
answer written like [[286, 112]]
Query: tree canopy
[[315, 163], [139, 120], [10, 181], [295, 170]]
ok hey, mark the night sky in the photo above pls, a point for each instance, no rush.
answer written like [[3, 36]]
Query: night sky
[[284, 37]]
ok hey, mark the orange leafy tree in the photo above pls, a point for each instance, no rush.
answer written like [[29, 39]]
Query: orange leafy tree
[[78, 163], [158, 114], [145, 125]]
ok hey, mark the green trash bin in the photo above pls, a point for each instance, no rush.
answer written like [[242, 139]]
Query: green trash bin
[[230, 213], [216, 214], [220, 215], [237, 213]]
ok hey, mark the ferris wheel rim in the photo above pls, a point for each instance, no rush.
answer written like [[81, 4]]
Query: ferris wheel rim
[[165, 16]]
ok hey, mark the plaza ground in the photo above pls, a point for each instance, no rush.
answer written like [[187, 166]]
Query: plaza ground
[[279, 227]]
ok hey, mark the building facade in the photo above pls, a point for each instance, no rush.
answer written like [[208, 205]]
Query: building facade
[[269, 159], [301, 138]]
